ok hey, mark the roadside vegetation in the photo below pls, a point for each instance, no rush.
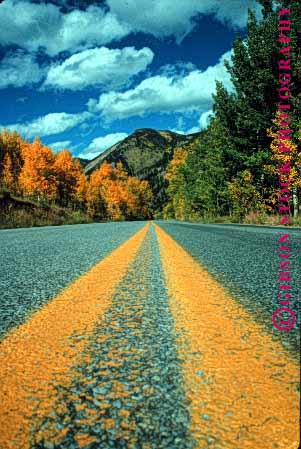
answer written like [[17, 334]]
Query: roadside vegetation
[[226, 174], [230, 173], [39, 187]]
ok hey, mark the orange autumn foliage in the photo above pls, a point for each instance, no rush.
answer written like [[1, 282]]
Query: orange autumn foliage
[[69, 178], [34, 171], [10, 160], [81, 189], [280, 158], [113, 193], [37, 177], [7, 173]]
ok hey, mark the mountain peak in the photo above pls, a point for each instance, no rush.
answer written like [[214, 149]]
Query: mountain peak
[[145, 154]]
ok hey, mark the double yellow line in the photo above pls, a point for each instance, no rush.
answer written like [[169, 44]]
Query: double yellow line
[[39, 354], [241, 384]]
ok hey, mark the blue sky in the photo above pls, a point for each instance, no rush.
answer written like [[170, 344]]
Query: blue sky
[[84, 75]]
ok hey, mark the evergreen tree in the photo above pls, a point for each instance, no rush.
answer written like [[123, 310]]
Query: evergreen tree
[[248, 111]]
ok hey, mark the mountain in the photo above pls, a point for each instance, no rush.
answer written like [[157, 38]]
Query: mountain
[[83, 162], [145, 154]]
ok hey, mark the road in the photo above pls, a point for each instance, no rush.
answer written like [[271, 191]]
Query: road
[[37, 262], [145, 336]]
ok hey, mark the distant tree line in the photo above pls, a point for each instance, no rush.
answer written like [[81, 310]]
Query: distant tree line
[[232, 168], [33, 171]]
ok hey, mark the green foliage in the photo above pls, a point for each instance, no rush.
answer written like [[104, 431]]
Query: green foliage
[[226, 172], [248, 112], [145, 154], [243, 194], [199, 186]]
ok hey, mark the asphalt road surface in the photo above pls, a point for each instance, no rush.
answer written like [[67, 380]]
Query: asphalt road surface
[[37, 262], [146, 336]]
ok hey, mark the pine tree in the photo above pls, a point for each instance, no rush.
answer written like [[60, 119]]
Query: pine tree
[[248, 111]]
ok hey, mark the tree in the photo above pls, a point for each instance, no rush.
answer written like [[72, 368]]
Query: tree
[[291, 159], [137, 196], [114, 195], [81, 190], [10, 159], [198, 175], [68, 173], [176, 205], [248, 110], [7, 173], [95, 199], [243, 194], [38, 177]]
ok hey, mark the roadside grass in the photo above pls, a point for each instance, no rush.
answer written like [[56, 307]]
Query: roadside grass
[[24, 219], [16, 212], [252, 218], [268, 219]]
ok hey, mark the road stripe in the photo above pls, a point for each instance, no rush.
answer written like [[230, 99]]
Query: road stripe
[[242, 384], [127, 392], [39, 354]]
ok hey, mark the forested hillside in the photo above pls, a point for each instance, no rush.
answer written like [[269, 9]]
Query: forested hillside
[[38, 186], [145, 154]]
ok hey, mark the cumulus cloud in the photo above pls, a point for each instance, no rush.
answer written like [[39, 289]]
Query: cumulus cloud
[[205, 119], [169, 17], [109, 68], [164, 94], [100, 144], [49, 124], [193, 130], [181, 127], [44, 25], [19, 69], [35, 25], [58, 146]]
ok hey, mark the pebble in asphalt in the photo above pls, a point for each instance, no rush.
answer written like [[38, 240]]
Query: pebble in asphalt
[[36, 263], [245, 260], [129, 393]]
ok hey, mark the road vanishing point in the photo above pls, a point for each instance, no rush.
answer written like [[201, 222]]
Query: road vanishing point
[[146, 335]]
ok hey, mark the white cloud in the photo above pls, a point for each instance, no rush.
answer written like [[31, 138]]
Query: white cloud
[[58, 146], [203, 123], [177, 69], [49, 124], [169, 17], [19, 69], [163, 94], [205, 119], [100, 144], [193, 130], [181, 127], [111, 68], [35, 25]]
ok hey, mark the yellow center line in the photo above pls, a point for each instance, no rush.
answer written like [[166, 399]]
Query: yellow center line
[[241, 383], [38, 355]]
